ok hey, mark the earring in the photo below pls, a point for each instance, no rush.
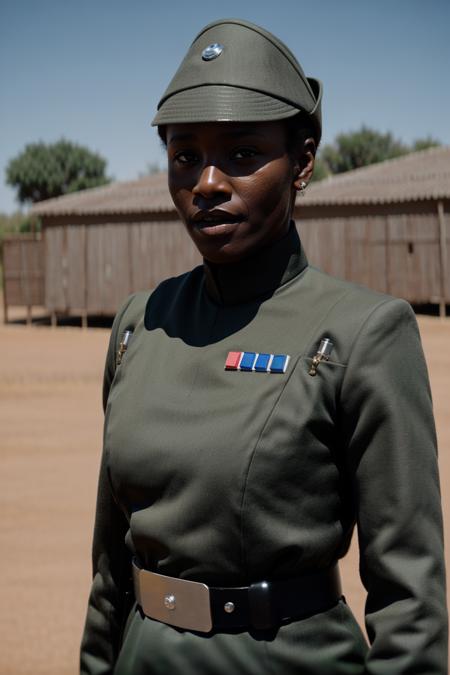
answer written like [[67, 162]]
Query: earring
[[302, 187]]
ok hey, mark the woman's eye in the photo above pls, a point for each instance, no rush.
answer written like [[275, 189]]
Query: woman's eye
[[244, 153], [185, 157]]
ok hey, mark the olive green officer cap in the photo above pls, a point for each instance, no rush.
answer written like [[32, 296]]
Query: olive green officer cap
[[235, 71]]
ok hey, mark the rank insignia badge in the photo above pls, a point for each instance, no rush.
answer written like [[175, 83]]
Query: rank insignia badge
[[322, 354], [257, 362]]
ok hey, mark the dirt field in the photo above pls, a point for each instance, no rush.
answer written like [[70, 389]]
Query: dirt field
[[50, 438]]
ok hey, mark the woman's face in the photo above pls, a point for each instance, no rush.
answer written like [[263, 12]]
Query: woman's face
[[233, 185]]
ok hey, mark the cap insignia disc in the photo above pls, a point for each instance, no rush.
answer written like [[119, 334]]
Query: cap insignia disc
[[212, 51]]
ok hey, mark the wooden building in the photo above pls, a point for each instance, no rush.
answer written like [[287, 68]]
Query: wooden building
[[386, 226]]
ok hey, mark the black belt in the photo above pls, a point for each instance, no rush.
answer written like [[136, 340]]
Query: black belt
[[262, 605]]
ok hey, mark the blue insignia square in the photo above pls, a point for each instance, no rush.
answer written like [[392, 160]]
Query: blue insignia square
[[262, 362], [279, 363], [247, 361]]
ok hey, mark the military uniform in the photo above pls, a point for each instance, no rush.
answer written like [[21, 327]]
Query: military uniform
[[227, 468], [230, 477]]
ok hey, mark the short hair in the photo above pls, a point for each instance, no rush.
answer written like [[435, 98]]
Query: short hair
[[298, 129]]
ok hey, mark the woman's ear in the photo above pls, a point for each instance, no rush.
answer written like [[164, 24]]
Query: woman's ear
[[304, 166]]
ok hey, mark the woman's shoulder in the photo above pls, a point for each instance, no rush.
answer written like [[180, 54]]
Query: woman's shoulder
[[353, 299], [351, 313]]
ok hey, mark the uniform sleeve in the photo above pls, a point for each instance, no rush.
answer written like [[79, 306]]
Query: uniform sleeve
[[392, 458], [110, 557]]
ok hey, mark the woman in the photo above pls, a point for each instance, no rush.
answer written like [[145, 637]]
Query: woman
[[255, 410]]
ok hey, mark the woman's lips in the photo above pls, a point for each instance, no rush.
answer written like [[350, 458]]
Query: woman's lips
[[215, 222]]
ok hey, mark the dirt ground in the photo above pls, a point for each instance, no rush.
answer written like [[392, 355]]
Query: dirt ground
[[50, 439]]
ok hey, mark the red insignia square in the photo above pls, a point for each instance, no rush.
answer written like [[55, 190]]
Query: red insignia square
[[233, 359]]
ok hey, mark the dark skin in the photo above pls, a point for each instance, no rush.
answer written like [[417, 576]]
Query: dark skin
[[234, 184]]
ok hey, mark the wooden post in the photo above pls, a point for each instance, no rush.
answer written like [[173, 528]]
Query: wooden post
[[25, 278], [5, 307], [387, 244], [5, 300], [84, 316], [443, 258]]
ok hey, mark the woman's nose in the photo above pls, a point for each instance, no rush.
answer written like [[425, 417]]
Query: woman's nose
[[211, 181]]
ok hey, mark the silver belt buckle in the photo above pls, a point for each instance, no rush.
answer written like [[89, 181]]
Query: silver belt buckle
[[178, 602]]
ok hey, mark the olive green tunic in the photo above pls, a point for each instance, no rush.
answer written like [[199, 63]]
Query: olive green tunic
[[232, 477]]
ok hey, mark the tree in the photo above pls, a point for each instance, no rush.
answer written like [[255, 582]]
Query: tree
[[424, 143], [43, 170], [360, 148], [366, 146], [17, 222]]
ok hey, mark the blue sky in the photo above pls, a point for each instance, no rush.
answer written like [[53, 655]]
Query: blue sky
[[93, 71]]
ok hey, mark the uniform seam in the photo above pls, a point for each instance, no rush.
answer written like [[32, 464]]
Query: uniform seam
[[329, 362], [356, 338], [269, 416], [244, 487], [317, 327]]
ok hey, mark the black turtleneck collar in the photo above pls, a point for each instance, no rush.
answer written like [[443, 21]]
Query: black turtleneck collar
[[258, 275]]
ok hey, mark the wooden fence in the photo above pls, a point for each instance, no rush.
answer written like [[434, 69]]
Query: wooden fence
[[89, 269], [401, 254], [23, 273]]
